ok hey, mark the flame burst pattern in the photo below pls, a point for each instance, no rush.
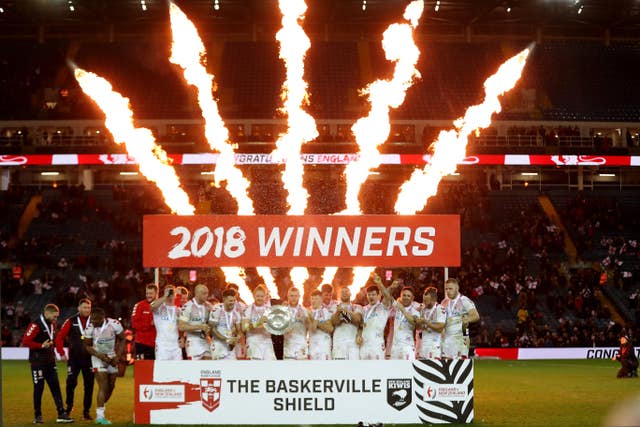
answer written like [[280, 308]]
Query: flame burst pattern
[[451, 145], [370, 131], [153, 161], [373, 130]]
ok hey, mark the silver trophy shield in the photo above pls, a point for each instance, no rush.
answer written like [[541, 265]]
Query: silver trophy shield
[[278, 320]]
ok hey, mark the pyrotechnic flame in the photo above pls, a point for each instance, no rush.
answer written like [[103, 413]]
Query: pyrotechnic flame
[[301, 127], [298, 276], [328, 274], [237, 275], [188, 52], [450, 147], [373, 130], [153, 161], [360, 277], [269, 281]]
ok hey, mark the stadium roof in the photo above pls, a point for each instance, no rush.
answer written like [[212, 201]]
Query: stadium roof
[[580, 18]]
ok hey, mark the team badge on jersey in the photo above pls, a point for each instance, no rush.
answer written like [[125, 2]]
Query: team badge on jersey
[[399, 393]]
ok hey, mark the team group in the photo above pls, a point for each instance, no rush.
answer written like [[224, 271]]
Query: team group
[[327, 329]]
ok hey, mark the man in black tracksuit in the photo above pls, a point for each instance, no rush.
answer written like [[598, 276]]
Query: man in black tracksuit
[[79, 360], [627, 358], [40, 340]]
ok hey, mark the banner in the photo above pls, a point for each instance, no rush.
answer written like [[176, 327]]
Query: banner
[[546, 353], [304, 392], [324, 159], [307, 241]]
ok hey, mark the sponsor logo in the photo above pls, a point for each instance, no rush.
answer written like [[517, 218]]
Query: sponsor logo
[[161, 393], [450, 392], [399, 393], [9, 160], [470, 160], [210, 388], [117, 159], [578, 160]]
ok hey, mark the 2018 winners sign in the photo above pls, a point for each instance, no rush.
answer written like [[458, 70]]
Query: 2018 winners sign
[[310, 392], [308, 241]]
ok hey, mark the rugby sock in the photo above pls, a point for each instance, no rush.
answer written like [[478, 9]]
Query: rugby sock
[[100, 412]]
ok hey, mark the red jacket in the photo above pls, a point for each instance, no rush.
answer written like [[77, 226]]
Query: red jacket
[[142, 323]]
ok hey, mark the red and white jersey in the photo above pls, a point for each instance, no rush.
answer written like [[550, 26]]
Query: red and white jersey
[[345, 332], [165, 318], [224, 320], [104, 336], [455, 309], [298, 331], [435, 314], [332, 306], [403, 331], [253, 313], [195, 314], [320, 340], [374, 318]]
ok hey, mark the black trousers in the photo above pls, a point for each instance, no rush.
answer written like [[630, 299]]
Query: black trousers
[[144, 352], [628, 366], [40, 375], [74, 368]]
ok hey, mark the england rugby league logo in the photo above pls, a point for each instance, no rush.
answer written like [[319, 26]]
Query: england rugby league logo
[[210, 388]]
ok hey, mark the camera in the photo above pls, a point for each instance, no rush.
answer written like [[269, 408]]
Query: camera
[[170, 292]]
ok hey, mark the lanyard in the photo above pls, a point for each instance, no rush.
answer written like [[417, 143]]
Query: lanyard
[[373, 308], [82, 327], [452, 304], [200, 309], [171, 312], [228, 317], [46, 327], [430, 315], [318, 314]]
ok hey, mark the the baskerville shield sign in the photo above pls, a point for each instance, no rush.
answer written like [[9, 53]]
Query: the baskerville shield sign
[[210, 387], [399, 393]]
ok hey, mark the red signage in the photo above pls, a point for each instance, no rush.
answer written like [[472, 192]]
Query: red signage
[[306, 241]]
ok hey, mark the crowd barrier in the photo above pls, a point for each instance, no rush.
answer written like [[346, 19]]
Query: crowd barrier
[[546, 353]]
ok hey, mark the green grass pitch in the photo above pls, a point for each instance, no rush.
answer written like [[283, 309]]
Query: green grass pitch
[[507, 393]]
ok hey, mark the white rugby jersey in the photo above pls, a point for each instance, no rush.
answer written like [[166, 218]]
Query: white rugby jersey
[[455, 309], [319, 339], [346, 332], [195, 314], [374, 319], [165, 319], [104, 336], [224, 320], [435, 314], [253, 313], [403, 331]]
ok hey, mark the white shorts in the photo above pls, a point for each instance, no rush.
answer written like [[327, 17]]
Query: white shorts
[[197, 348], [372, 351], [403, 352], [346, 351], [261, 350], [101, 366], [430, 349], [296, 350], [220, 351], [168, 352], [455, 346]]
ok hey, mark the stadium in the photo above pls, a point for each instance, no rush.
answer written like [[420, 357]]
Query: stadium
[[379, 146]]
